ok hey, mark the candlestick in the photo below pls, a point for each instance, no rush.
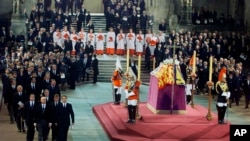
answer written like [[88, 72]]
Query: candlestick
[[139, 67], [194, 62], [210, 68], [127, 59], [153, 63]]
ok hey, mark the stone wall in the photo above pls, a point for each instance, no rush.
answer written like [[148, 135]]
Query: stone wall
[[5, 12], [160, 9], [94, 6]]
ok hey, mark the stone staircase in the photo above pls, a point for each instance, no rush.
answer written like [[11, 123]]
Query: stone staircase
[[99, 22], [98, 19], [107, 66]]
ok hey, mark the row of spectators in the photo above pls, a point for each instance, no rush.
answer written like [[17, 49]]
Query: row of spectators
[[43, 16], [203, 16], [127, 14]]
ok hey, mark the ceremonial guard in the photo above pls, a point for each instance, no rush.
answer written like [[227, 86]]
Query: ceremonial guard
[[132, 95], [223, 95], [117, 83], [130, 79], [188, 90]]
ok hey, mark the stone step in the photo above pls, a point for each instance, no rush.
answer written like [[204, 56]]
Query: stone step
[[106, 68]]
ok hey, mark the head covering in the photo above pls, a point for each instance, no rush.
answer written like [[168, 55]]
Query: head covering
[[131, 79], [222, 73], [118, 64]]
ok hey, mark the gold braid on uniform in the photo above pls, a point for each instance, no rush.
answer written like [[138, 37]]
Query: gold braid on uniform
[[223, 86]]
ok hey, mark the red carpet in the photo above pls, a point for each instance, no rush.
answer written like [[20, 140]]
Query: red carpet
[[192, 126]]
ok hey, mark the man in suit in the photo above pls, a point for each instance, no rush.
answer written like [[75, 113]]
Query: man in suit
[[3, 32], [95, 69], [83, 11], [29, 112], [11, 38], [40, 75], [80, 18], [78, 5], [133, 21], [70, 5], [19, 99], [246, 89], [237, 85], [55, 74], [68, 45], [34, 88], [73, 73], [65, 111], [42, 119], [158, 55], [8, 99], [89, 49], [54, 109], [47, 95], [147, 58], [53, 89], [46, 82], [5, 82], [162, 26], [143, 22], [86, 66]]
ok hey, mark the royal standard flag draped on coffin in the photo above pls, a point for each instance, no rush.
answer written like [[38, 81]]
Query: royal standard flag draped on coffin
[[165, 74]]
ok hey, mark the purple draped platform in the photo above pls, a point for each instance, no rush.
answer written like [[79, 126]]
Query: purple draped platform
[[159, 100]]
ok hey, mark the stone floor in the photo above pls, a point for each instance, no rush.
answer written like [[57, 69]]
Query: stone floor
[[87, 127]]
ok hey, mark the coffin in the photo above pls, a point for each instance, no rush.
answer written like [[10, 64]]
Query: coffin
[[166, 93]]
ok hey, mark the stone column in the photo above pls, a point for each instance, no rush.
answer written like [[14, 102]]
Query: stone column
[[6, 9], [247, 15]]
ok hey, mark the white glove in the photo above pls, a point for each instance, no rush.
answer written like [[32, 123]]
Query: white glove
[[126, 93]]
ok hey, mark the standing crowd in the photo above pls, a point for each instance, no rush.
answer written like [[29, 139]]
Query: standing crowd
[[56, 54]]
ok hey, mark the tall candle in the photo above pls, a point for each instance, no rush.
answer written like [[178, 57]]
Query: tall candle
[[210, 68], [139, 67], [194, 62], [127, 59]]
